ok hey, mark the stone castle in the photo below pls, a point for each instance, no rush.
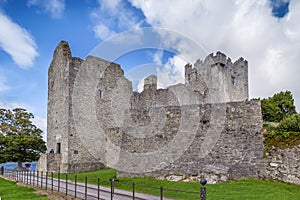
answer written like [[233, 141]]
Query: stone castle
[[206, 126]]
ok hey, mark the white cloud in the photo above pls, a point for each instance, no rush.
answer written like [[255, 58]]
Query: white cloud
[[140, 85], [42, 124], [54, 7], [12, 105], [238, 28], [169, 73], [172, 72], [17, 42], [103, 31], [113, 15]]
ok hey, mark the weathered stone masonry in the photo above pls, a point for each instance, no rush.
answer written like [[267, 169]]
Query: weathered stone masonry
[[213, 99], [283, 164]]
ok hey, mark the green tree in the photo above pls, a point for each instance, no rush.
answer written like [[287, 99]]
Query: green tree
[[277, 107], [290, 124], [20, 139]]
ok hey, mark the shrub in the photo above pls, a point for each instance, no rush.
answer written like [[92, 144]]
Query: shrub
[[290, 124]]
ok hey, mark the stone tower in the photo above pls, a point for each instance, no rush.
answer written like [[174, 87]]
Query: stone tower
[[61, 137], [226, 81]]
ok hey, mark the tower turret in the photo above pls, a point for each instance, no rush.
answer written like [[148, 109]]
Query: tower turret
[[150, 82]]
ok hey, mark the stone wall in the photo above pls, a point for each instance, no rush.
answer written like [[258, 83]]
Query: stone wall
[[283, 164], [190, 129], [237, 153], [49, 163]]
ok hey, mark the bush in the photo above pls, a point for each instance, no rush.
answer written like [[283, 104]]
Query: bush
[[277, 107], [290, 124], [269, 127]]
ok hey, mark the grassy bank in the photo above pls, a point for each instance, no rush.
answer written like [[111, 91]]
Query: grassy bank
[[10, 190], [234, 190]]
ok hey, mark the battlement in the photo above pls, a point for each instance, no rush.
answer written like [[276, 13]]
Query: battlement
[[241, 62], [190, 73], [150, 82], [225, 80], [218, 59], [221, 59]]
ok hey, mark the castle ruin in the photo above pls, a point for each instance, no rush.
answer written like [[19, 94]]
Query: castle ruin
[[206, 126]]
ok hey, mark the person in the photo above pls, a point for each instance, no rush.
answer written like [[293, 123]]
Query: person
[[51, 151]]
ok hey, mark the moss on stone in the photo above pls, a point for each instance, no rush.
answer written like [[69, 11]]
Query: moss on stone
[[282, 140]]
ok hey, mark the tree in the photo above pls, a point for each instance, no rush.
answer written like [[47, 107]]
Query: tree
[[277, 107], [20, 140], [290, 124]]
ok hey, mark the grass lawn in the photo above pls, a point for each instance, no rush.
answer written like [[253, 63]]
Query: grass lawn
[[234, 190], [10, 190]]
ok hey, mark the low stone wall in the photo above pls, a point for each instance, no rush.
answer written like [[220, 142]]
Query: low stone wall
[[283, 164], [49, 162]]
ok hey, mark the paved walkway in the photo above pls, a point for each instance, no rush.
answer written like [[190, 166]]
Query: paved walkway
[[90, 192]]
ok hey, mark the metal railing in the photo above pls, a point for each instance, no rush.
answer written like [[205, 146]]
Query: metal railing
[[79, 186]]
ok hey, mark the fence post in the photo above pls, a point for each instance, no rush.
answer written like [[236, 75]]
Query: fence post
[[75, 186], [42, 179], [85, 192], [66, 184], [203, 189], [161, 193], [37, 179], [33, 178], [27, 177], [133, 190], [30, 174], [58, 184], [98, 194], [52, 181], [111, 189], [46, 180]]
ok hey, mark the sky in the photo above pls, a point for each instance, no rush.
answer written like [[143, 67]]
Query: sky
[[264, 32]]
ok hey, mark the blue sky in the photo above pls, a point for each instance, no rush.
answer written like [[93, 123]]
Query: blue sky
[[265, 32]]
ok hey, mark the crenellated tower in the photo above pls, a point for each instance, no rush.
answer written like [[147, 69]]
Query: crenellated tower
[[225, 81], [150, 82]]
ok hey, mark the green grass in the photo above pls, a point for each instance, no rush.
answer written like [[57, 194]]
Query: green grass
[[233, 190], [10, 190]]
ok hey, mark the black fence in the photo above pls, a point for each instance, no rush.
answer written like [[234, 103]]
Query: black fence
[[93, 188]]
